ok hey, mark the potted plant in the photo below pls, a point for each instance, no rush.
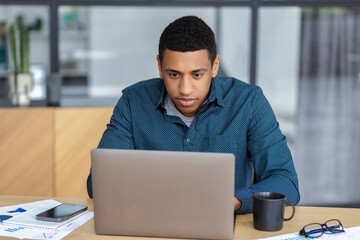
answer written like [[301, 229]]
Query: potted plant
[[20, 80], [3, 56]]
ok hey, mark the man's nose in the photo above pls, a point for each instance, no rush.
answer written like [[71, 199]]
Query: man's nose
[[185, 86]]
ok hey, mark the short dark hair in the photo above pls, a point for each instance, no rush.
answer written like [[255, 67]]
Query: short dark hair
[[188, 34]]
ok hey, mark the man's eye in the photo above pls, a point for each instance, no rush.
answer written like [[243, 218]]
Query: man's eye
[[198, 75], [174, 75]]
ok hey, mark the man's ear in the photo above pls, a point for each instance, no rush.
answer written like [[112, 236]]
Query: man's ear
[[159, 65], [215, 67]]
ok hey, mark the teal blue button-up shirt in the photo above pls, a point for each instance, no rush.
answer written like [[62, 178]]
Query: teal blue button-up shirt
[[236, 119]]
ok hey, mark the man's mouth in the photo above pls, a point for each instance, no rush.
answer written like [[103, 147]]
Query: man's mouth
[[186, 102]]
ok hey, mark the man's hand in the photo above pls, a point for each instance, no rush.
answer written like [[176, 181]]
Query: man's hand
[[237, 204]]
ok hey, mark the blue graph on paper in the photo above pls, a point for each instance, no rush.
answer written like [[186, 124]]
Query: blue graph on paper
[[294, 238], [14, 229]]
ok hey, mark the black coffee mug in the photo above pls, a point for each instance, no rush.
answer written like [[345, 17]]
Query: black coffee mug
[[268, 208]]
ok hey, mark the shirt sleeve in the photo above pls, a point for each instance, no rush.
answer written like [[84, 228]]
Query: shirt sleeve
[[118, 133], [267, 147]]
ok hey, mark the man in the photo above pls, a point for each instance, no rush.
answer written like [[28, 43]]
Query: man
[[190, 109]]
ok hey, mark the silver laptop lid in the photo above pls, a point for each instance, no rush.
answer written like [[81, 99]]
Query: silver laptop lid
[[163, 194]]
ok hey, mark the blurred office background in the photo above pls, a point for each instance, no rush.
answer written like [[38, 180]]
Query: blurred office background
[[304, 54]]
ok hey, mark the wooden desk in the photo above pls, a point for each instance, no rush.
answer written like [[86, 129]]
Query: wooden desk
[[350, 217]]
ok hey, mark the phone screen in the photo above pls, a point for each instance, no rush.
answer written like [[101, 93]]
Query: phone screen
[[61, 212]]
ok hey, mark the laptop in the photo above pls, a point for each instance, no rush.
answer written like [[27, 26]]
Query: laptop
[[163, 193]]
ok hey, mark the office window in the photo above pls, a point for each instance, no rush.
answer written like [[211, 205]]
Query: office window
[[37, 20], [278, 63], [308, 67], [105, 49], [234, 41]]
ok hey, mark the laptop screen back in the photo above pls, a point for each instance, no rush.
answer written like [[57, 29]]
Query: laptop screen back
[[163, 193]]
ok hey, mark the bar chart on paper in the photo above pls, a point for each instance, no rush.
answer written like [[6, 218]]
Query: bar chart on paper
[[13, 229]]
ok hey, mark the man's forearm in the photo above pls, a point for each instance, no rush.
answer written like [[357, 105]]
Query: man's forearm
[[275, 183]]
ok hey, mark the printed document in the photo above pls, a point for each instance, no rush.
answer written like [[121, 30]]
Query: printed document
[[23, 224], [349, 234]]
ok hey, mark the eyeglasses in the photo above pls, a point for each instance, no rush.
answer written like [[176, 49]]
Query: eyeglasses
[[315, 230]]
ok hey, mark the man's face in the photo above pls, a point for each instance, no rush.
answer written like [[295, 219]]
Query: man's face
[[187, 77]]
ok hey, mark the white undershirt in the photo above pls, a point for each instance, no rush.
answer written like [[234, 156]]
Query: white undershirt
[[173, 111]]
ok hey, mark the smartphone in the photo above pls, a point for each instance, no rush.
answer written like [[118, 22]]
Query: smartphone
[[61, 212]]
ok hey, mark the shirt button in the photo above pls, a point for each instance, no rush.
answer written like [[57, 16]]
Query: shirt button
[[188, 140]]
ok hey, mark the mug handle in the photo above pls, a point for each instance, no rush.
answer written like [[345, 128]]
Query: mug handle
[[293, 212]]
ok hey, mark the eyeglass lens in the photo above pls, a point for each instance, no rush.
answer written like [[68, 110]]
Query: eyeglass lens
[[316, 230], [334, 226]]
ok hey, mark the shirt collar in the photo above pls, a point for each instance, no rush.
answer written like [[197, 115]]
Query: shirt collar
[[161, 102], [215, 93]]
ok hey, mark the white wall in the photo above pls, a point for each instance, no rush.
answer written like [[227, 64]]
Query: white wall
[[234, 42]]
